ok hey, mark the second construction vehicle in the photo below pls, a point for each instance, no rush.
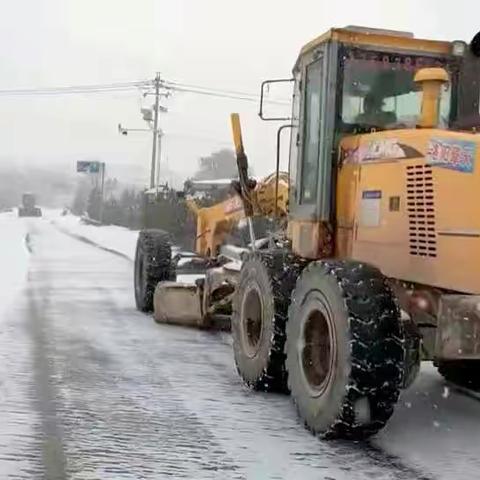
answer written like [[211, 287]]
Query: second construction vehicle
[[28, 207], [382, 248]]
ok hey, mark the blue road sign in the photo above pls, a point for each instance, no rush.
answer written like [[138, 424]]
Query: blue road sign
[[88, 167]]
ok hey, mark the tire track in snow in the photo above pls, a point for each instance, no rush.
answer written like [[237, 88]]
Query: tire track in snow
[[113, 413], [45, 392]]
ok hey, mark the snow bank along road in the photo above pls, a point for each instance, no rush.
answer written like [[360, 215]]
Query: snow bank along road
[[92, 389]]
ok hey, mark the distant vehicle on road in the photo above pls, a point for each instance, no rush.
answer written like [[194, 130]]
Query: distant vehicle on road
[[28, 208]]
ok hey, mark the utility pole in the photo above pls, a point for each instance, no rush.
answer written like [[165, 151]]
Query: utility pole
[[102, 166], [152, 115], [159, 156], [155, 129]]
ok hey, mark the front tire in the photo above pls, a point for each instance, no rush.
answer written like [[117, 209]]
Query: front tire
[[345, 349], [153, 264]]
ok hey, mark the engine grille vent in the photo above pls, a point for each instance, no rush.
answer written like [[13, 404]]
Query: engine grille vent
[[421, 211]]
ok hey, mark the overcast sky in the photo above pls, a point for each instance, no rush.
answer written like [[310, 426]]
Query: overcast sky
[[231, 45]]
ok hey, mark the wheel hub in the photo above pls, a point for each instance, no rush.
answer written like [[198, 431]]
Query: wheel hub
[[252, 321], [317, 350]]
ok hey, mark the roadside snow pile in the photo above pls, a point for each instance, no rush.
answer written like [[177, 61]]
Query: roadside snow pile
[[118, 239], [13, 258], [109, 237]]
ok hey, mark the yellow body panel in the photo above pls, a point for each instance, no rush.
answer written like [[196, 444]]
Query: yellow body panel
[[416, 219], [216, 222]]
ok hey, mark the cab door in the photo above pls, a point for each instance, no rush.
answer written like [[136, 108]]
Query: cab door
[[311, 154]]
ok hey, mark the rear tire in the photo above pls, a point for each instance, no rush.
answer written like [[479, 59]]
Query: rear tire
[[465, 373], [260, 312], [345, 349], [153, 264]]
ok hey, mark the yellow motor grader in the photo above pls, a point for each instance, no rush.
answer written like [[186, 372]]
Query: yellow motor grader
[[207, 302], [378, 264]]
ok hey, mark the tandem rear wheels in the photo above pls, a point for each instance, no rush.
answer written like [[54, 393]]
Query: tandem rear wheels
[[343, 356]]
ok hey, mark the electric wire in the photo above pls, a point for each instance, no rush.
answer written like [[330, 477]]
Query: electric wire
[[74, 89], [202, 90], [144, 85]]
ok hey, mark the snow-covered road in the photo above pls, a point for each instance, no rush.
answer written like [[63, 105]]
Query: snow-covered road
[[92, 389]]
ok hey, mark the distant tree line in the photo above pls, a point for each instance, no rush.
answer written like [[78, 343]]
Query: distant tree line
[[220, 164]]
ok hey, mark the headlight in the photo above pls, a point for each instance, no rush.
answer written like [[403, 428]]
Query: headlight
[[459, 48]]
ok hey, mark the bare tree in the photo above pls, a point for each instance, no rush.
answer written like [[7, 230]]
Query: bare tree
[[220, 164]]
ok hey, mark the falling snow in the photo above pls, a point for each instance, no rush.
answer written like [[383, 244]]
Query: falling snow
[[446, 392]]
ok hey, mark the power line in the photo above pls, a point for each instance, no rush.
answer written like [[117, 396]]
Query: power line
[[75, 89], [213, 92], [210, 89], [144, 85]]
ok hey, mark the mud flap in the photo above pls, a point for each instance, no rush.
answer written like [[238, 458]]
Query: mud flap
[[412, 350], [458, 336]]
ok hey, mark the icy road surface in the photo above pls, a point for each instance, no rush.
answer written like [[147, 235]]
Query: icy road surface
[[92, 389]]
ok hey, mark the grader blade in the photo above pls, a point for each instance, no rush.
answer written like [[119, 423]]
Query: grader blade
[[179, 304]]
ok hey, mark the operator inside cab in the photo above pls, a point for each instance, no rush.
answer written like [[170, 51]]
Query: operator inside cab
[[373, 112]]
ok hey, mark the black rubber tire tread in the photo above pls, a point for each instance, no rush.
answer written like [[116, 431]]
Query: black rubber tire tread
[[465, 373], [282, 268], [153, 255], [376, 346]]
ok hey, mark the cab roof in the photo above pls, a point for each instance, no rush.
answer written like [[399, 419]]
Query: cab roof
[[373, 37]]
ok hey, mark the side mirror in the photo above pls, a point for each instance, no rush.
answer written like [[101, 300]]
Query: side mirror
[[264, 89]]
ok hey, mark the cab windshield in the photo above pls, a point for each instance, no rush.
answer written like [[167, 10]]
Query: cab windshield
[[379, 91]]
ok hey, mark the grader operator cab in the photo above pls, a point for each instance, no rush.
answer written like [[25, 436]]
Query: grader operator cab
[[377, 267]]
